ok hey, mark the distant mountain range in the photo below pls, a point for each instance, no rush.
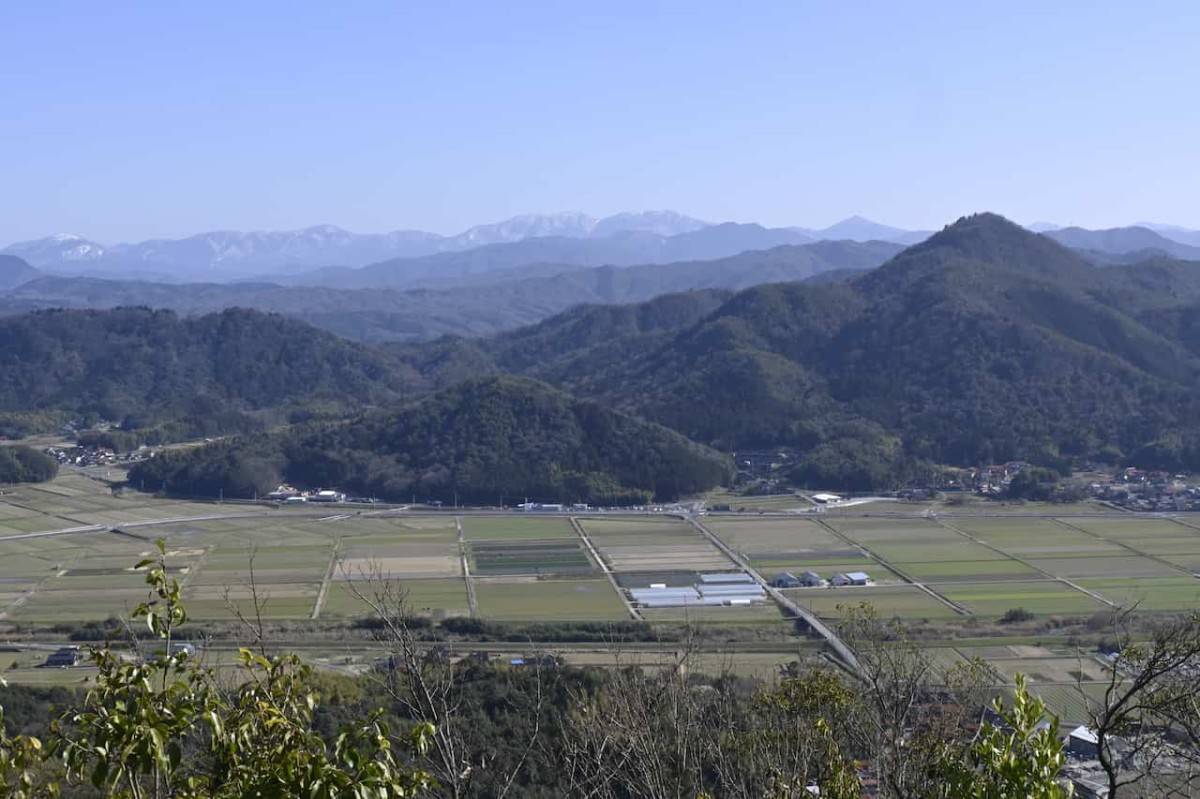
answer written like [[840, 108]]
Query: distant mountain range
[[571, 238], [857, 228], [493, 302], [1124, 240], [225, 255]]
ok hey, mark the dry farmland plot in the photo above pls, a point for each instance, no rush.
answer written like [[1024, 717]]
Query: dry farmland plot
[[653, 545], [437, 597], [765, 612], [518, 528]]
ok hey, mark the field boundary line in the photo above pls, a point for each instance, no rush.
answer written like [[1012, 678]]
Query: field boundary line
[[1182, 523], [319, 604], [612, 578], [1053, 577], [468, 579]]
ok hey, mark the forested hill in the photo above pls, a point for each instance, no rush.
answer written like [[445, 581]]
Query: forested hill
[[478, 441], [156, 365], [986, 342]]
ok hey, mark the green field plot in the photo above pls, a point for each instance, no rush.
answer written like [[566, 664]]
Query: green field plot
[[872, 531], [37, 524], [925, 552], [10, 511], [489, 528], [52, 606], [549, 600], [1036, 537], [639, 526], [770, 503], [969, 571], [1127, 565], [1189, 563], [1175, 593], [1043, 597], [899, 601], [1128, 527], [225, 556], [270, 607], [564, 556], [439, 598]]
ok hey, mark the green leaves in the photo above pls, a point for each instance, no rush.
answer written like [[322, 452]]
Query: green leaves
[[166, 727], [1019, 757]]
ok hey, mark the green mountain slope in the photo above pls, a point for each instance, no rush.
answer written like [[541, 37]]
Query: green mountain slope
[[985, 342], [479, 441], [155, 365]]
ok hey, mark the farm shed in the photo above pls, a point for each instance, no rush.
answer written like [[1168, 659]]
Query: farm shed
[[1082, 742]]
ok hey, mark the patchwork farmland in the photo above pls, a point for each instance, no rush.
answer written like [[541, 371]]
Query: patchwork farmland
[[67, 548]]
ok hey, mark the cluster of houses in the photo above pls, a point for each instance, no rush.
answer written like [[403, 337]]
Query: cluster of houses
[[814, 580], [91, 456], [1139, 490], [992, 480], [291, 496]]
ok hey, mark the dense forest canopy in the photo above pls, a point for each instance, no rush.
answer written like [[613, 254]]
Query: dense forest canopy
[[478, 442], [153, 366]]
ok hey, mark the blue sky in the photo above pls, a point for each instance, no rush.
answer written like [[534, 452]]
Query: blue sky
[[126, 120]]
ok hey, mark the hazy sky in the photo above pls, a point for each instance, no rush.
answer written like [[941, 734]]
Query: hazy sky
[[125, 120]]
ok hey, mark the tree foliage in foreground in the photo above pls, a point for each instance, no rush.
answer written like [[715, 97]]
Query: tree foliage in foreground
[[164, 726]]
